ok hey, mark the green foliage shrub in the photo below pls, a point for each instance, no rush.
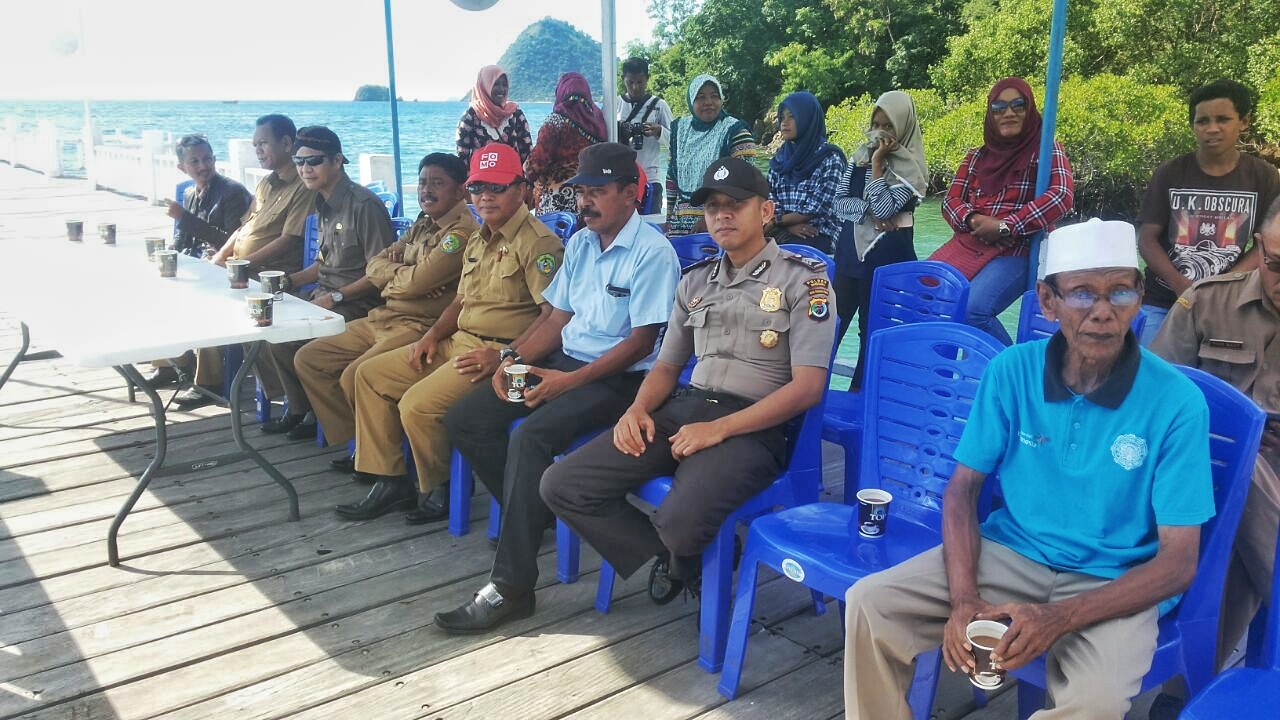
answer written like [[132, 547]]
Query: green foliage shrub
[[1264, 75]]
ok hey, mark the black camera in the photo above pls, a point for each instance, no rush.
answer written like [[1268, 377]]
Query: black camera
[[633, 133]]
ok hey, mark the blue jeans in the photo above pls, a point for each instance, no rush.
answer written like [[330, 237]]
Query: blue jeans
[[994, 289], [1155, 318]]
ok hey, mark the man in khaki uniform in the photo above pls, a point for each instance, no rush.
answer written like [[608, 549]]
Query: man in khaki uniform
[[353, 227], [270, 237], [507, 265], [418, 276], [1229, 326]]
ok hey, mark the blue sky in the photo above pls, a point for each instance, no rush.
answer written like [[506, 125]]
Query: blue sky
[[269, 49]]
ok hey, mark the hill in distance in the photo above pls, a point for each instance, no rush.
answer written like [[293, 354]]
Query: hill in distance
[[542, 53]]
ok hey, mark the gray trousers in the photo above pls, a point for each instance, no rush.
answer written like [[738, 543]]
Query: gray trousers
[[894, 615]]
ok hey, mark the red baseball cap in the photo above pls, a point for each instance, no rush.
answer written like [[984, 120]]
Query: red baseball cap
[[495, 163]]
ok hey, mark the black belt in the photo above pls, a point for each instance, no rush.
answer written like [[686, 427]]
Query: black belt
[[712, 396], [504, 341]]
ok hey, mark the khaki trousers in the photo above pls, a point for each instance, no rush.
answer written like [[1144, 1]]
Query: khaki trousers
[[326, 367], [1252, 558], [391, 398], [894, 615], [209, 366], [274, 367]]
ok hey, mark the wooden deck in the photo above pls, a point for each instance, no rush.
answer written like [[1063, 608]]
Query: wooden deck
[[223, 609]]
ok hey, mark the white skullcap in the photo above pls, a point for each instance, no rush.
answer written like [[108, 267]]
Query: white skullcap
[[1091, 245]]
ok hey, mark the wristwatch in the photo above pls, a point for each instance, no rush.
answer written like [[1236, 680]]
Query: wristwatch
[[1004, 230], [336, 296], [510, 352]]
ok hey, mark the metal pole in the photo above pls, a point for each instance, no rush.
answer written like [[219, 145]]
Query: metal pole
[[395, 110], [86, 134], [1052, 79], [609, 66]]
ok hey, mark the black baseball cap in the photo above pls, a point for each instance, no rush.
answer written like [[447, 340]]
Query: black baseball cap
[[319, 137], [734, 177], [605, 162]]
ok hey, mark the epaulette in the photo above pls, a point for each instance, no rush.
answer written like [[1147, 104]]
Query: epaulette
[[705, 261], [813, 264], [1225, 277]]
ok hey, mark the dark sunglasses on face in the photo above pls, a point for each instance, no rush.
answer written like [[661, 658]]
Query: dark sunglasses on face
[[1018, 105], [312, 160], [1273, 264], [493, 188]]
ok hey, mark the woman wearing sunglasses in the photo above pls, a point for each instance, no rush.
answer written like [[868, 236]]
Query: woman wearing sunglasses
[[993, 208]]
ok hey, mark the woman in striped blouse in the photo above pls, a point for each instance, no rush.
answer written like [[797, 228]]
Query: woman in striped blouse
[[885, 179]]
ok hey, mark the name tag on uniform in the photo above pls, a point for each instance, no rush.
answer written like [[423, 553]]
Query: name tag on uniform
[[1231, 344]]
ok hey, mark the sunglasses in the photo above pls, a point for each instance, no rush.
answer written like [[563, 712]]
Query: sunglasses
[[480, 188], [1018, 105], [1084, 299], [1273, 264], [312, 160]]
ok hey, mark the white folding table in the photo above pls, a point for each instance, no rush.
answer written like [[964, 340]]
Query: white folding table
[[103, 306]]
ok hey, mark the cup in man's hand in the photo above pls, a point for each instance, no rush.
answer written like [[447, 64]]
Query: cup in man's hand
[[238, 274], [873, 512], [272, 281], [75, 230], [517, 382], [260, 308], [984, 636], [107, 231], [168, 261]]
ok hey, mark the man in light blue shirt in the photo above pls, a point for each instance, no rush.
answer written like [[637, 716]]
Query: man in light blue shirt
[[1103, 455], [611, 298]]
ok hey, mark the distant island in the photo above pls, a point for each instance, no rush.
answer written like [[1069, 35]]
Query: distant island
[[374, 93], [542, 53]]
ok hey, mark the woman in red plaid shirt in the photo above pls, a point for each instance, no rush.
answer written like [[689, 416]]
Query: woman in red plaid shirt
[[993, 208]]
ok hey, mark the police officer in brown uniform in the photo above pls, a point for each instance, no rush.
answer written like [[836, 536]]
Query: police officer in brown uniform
[[760, 322], [1229, 326], [353, 227], [418, 276], [506, 266], [270, 237]]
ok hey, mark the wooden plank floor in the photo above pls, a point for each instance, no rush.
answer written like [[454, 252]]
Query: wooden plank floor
[[223, 609]]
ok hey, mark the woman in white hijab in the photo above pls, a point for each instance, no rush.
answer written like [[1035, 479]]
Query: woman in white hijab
[[886, 178]]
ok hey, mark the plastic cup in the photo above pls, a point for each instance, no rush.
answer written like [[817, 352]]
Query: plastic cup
[[75, 230], [260, 308], [272, 281], [517, 382], [107, 231], [873, 512], [168, 261], [238, 274], [153, 244], [984, 636]]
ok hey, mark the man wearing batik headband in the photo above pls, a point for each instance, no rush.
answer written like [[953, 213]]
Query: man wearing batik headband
[[353, 227], [507, 265], [418, 277], [761, 324], [1103, 452]]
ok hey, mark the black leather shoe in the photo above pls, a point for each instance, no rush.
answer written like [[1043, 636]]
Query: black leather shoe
[[302, 431], [486, 611], [283, 425], [346, 464], [161, 377], [193, 398], [663, 587], [387, 494], [431, 507], [363, 478]]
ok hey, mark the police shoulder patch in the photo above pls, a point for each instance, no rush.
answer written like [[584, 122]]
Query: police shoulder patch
[[813, 264]]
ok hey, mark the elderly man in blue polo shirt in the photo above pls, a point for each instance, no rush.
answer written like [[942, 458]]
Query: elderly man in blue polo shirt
[[1103, 454], [610, 300]]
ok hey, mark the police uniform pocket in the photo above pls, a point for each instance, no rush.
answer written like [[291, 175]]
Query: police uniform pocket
[[697, 320], [1234, 365], [766, 333]]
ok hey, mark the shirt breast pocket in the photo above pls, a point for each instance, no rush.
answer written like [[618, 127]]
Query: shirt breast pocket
[[766, 334], [616, 312], [511, 285], [697, 322], [1237, 366]]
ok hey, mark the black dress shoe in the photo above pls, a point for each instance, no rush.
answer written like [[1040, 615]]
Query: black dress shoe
[[431, 507], [666, 584], [302, 431], [364, 478], [283, 425], [486, 611], [387, 494], [160, 377], [346, 464], [193, 398]]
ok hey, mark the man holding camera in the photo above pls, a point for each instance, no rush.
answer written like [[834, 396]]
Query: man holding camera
[[644, 120]]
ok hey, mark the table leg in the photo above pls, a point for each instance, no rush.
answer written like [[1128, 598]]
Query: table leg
[[131, 375], [22, 353], [237, 430]]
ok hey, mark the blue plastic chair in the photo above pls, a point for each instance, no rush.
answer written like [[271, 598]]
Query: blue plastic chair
[[401, 225], [179, 193], [310, 248], [561, 223], [1033, 325], [391, 201], [475, 214], [799, 484], [901, 294], [925, 378], [651, 202], [1237, 693], [1188, 635], [694, 248], [377, 186]]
